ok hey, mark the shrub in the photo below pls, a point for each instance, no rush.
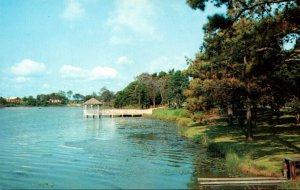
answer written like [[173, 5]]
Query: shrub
[[201, 139], [233, 162]]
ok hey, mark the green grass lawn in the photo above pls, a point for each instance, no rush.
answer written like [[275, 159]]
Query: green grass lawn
[[274, 139], [180, 116]]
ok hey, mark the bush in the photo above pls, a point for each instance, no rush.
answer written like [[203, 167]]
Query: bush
[[219, 149], [183, 121], [233, 162], [201, 139], [198, 116]]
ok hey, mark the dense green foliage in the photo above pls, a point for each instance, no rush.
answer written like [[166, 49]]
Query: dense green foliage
[[134, 95], [177, 83], [242, 64], [78, 97], [154, 89]]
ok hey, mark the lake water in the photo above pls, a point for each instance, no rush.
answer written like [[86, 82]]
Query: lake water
[[56, 147]]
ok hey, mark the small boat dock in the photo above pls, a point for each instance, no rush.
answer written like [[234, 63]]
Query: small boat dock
[[117, 112], [93, 108]]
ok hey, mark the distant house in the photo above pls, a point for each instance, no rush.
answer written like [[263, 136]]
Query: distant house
[[13, 100], [54, 100]]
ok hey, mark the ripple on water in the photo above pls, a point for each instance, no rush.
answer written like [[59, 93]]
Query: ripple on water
[[70, 147], [73, 152], [19, 173]]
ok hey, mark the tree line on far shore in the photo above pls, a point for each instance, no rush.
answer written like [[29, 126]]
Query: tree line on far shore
[[152, 90], [147, 90], [56, 98]]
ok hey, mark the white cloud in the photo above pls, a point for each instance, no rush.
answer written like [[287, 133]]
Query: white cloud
[[73, 10], [46, 86], [71, 72], [165, 63], [28, 68], [102, 73], [135, 19], [124, 60], [22, 79], [97, 73]]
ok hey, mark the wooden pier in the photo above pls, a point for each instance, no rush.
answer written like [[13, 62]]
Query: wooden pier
[[93, 108], [116, 112], [256, 181]]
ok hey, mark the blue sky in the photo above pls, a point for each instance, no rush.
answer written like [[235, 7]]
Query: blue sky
[[83, 45]]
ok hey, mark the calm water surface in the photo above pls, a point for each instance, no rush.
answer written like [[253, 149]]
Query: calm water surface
[[57, 147]]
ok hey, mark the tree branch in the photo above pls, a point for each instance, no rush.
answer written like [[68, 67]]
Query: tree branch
[[297, 51], [292, 59], [267, 48], [251, 8]]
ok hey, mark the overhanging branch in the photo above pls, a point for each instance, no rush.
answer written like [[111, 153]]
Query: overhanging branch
[[267, 49]]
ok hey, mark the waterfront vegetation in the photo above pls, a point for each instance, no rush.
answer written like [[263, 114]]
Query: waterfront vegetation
[[247, 81], [154, 89], [277, 137]]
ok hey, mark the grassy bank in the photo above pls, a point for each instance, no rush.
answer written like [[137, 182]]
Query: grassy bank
[[275, 139], [180, 116]]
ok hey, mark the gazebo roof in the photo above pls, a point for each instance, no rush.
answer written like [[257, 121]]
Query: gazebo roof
[[92, 101]]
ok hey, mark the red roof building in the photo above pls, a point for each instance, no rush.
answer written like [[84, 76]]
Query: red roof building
[[14, 100]]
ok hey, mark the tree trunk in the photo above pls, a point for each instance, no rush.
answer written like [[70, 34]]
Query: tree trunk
[[277, 112], [240, 115], [249, 134], [229, 115], [139, 100], [241, 120], [254, 115], [153, 102], [162, 98], [178, 104], [298, 118]]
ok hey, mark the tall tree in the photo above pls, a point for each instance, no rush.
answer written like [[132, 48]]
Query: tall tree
[[177, 83], [31, 101], [150, 82], [69, 94], [134, 94], [106, 95], [162, 85], [245, 45], [78, 97], [2, 101]]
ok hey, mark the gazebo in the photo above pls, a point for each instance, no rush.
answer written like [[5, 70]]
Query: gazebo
[[92, 107]]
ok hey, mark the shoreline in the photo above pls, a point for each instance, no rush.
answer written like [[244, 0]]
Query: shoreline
[[260, 157]]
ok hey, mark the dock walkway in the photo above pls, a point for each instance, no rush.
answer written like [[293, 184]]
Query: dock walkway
[[116, 112]]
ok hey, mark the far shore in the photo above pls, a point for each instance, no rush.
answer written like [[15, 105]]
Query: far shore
[[52, 105]]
